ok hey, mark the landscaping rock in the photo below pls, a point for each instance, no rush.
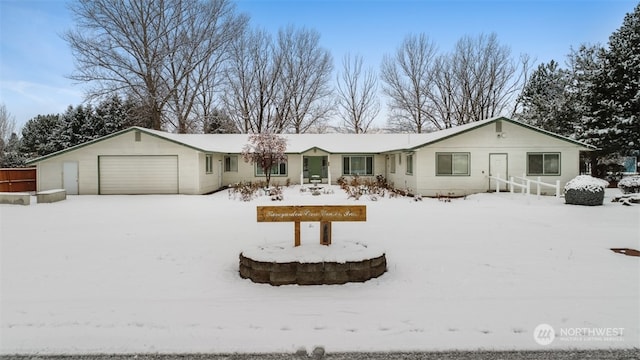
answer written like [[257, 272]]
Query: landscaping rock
[[329, 273]]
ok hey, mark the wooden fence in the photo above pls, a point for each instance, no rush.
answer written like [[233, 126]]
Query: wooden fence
[[18, 180]]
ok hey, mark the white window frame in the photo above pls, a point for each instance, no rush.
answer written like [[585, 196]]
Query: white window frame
[[545, 155], [350, 158], [409, 169], [208, 163], [453, 156], [279, 170], [392, 163], [230, 163]]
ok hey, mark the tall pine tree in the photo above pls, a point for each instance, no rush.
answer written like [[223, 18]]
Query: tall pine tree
[[547, 100], [38, 135], [612, 121]]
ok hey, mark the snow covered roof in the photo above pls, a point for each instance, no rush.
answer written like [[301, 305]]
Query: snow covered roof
[[299, 143], [338, 143], [331, 143]]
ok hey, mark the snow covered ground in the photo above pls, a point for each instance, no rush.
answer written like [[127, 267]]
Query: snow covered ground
[[123, 274]]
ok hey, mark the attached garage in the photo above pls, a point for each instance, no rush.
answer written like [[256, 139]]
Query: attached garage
[[130, 174]]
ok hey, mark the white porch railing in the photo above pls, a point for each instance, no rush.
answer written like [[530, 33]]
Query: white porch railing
[[511, 182], [539, 183], [525, 184]]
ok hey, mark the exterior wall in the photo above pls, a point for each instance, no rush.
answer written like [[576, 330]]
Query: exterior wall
[[208, 182], [400, 179], [244, 173], [335, 166], [294, 169], [50, 169], [49, 175], [247, 172], [480, 142], [314, 152], [516, 141]]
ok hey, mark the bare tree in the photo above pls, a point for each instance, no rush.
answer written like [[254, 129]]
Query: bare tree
[[7, 125], [157, 52], [479, 79], [252, 83], [408, 80], [275, 87], [357, 100], [306, 72]]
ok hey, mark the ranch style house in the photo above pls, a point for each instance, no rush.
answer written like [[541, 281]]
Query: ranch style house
[[456, 161]]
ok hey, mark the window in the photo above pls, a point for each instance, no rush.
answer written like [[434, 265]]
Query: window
[[392, 163], [543, 164], [208, 163], [231, 163], [138, 136], [409, 164], [276, 170], [357, 165], [452, 164]]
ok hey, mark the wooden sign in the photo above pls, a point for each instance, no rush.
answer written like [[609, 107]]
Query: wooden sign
[[312, 213], [325, 214]]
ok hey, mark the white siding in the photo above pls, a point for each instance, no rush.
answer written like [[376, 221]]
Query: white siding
[[335, 165], [50, 169], [247, 172], [479, 143], [208, 182], [192, 178]]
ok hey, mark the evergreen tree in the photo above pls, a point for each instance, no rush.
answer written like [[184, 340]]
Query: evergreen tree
[[612, 121], [218, 122], [547, 100], [74, 127], [11, 155], [38, 135], [109, 116]]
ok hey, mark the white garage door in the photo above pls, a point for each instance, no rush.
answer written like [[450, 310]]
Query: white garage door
[[138, 174]]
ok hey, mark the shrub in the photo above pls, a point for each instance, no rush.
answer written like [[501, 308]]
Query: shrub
[[356, 187], [585, 190], [276, 193], [245, 190], [630, 185]]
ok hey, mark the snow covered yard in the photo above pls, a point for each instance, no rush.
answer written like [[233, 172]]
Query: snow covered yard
[[124, 274]]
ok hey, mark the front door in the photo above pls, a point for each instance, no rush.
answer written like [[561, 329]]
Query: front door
[[498, 168], [315, 166], [70, 177]]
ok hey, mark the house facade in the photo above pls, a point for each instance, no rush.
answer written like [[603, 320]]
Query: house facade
[[455, 161]]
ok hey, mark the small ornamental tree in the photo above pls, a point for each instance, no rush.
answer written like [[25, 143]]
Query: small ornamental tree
[[266, 151]]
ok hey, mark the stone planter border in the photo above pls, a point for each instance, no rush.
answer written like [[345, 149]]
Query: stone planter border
[[321, 273]]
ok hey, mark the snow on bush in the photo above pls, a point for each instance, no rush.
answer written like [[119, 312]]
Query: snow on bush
[[585, 190], [587, 183], [630, 185]]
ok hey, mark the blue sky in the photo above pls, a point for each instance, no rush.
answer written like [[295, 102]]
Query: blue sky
[[34, 60]]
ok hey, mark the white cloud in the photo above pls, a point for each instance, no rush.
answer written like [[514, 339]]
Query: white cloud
[[25, 100]]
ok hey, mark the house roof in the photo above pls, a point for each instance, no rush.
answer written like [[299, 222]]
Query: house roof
[[331, 143], [341, 143]]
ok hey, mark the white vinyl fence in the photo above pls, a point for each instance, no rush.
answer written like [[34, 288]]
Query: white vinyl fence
[[524, 184]]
